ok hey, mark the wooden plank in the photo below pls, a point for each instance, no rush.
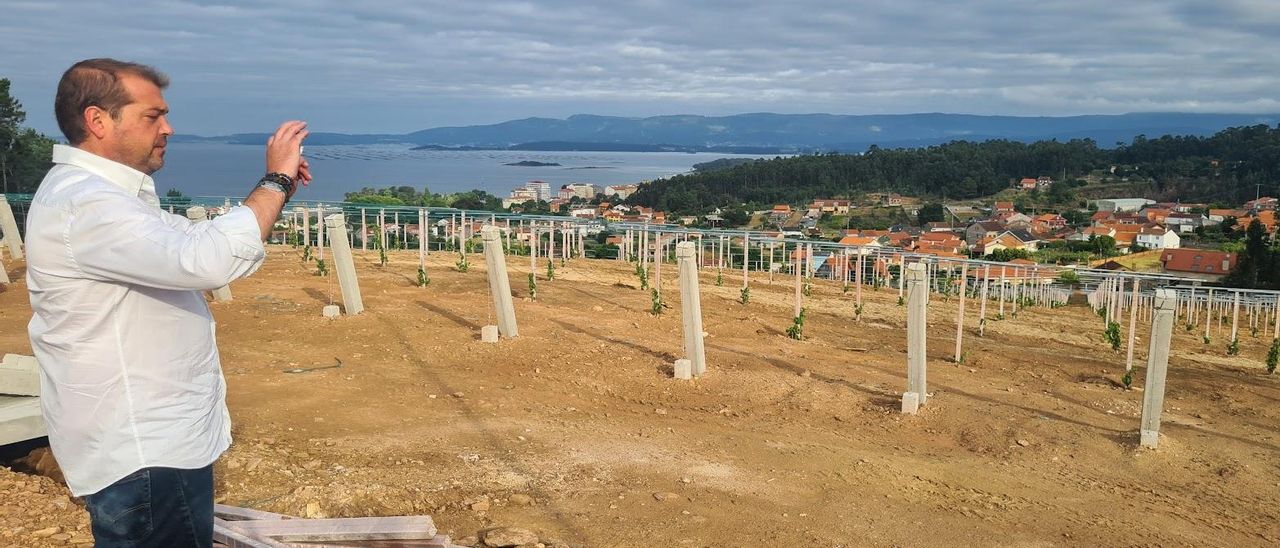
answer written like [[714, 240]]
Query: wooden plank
[[236, 513], [341, 529], [438, 541], [232, 537]]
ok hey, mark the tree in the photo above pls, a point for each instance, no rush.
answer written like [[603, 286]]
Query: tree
[[1227, 225], [1006, 255], [1104, 246], [25, 163], [931, 213], [1258, 262], [175, 197], [1076, 217], [735, 217], [476, 199], [24, 153]]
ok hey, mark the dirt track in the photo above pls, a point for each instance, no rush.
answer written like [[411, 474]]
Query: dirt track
[[576, 431]]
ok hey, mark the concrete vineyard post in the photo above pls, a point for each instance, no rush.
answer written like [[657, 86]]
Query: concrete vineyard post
[[499, 284], [344, 264], [917, 285], [1157, 367], [691, 308]]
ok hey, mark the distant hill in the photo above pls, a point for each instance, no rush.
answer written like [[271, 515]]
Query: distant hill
[[1231, 166], [779, 133]]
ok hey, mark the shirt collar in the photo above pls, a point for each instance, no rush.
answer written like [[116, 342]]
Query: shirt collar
[[136, 182]]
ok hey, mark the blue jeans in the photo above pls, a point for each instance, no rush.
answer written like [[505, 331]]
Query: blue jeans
[[161, 507]]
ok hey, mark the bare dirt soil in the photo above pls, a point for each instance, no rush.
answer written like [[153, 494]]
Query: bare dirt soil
[[576, 431]]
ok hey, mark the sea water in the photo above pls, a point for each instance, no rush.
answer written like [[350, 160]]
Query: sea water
[[219, 169]]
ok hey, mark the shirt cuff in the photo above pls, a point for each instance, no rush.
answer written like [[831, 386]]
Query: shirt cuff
[[241, 228]]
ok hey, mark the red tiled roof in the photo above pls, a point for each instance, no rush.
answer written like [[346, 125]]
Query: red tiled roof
[[1098, 231], [858, 240], [940, 251], [867, 233], [937, 237], [897, 238], [1197, 260], [991, 226]]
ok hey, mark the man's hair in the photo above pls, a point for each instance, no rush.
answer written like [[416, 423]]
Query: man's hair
[[96, 83]]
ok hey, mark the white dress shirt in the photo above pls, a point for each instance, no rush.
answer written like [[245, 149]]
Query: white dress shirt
[[129, 368]]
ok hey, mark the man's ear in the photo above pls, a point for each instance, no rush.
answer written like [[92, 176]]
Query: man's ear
[[97, 122]]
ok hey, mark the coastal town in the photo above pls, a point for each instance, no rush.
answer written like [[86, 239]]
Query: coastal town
[[1123, 234]]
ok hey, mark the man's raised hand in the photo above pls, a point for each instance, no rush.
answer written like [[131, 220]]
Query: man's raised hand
[[284, 151]]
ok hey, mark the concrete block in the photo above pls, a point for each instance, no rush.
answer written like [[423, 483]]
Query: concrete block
[[910, 403], [332, 311], [489, 334], [20, 419], [19, 375], [684, 370]]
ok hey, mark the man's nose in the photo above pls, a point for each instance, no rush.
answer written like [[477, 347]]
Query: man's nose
[[165, 128]]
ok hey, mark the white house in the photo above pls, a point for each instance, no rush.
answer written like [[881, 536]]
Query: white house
[[620, 191], [1158, 238], [1185, 223], [1123, 204], [578, 190]]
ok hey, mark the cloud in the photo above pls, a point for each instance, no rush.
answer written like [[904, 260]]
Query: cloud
[[404, 65]]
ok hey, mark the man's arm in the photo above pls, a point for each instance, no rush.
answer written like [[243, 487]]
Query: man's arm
[[284, 155], [116, 237]]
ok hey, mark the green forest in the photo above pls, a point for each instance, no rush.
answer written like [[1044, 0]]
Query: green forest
[[408, 196], [1224, 167], [24, 153]]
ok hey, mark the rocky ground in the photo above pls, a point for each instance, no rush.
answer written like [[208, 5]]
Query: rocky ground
[[575, 432]]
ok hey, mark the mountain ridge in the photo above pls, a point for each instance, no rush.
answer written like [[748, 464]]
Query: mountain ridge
[[788, 132]]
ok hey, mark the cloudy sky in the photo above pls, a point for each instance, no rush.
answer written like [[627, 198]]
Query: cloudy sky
[[402, 65]]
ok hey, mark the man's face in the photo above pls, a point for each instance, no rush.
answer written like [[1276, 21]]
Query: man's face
[[137, 139]]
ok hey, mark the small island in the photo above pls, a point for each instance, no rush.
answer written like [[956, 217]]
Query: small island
[[531, 163]]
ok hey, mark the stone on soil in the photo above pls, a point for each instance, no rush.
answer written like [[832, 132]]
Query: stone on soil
[[503, 537]]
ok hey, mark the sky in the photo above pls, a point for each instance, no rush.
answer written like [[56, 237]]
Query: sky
[[395, 66]]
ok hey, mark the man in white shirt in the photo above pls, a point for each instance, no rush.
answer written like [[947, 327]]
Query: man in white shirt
[[131, 385]]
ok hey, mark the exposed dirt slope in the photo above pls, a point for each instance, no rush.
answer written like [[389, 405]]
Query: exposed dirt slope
[[576, 430]]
